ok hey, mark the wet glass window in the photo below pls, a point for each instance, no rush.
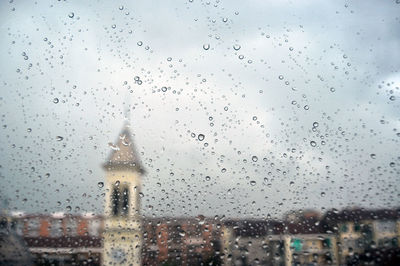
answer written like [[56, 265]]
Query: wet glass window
[[200, 132]]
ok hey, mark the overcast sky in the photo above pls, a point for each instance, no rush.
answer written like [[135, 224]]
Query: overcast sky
[[298, 102]]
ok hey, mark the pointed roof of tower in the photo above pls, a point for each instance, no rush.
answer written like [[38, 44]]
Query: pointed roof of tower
[[123, 154]]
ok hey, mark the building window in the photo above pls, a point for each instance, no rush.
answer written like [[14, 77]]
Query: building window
[[115, 201], [120, 201], [357, 227], [344, 228], [125, 202], [56, 228]]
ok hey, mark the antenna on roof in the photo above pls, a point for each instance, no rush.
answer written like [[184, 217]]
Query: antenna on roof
[[127, 110]]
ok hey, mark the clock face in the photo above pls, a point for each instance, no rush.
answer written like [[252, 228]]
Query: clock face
[[118, 255]]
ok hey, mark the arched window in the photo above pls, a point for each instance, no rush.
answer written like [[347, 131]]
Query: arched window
[[125, 202], [115, 201]]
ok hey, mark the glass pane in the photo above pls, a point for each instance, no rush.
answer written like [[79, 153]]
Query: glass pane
[[199, 132]]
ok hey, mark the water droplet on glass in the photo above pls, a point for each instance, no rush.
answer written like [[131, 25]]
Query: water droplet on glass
[[313, 143], [59, 138], [208, 178], [56, 100], [373, 156], [280, 77], [100, 184], [164, 89], [254, 158], [71, 15], [236, 47], [253, 183], [206, 46], [200, 137], [315, 124]]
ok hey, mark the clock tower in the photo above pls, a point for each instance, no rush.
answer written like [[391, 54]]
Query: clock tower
[[123, 228]]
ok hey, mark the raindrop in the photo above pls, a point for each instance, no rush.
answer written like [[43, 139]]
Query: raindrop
[[392, 98], [373, 156], [139, 43], [100, 184], [322, 194], [332, 89], [253, 183], [313, 143], [164, 89], [208, 178], [254, 158], [241, 57], [200, 137], [71, 15], [236, 47], [56, 100], [315, 124], [206, 46], [280, 77], [224, 20], [59, 138]]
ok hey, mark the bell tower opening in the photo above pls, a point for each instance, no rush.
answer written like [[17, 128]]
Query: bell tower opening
[[125, 202], [115, 201]]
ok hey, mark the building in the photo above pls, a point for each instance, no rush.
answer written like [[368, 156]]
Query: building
[[122, 236], [278, 242], [361, 233], [59, 238]]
